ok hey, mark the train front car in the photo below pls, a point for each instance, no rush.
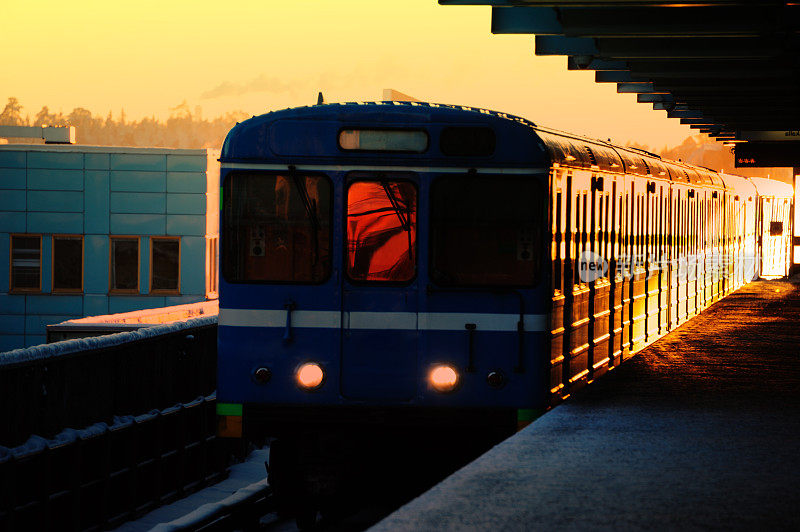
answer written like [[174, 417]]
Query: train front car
[[384, 276]]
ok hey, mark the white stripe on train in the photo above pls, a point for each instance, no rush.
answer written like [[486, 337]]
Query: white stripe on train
[[427, 321]]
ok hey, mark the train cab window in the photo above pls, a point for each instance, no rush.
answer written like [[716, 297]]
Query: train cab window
[[276, 228], [485, 230], [381, 231]]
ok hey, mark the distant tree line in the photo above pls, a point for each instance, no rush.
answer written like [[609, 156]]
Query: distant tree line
[[182, 129]]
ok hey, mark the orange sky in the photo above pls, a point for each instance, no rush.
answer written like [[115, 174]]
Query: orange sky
[[148, 56]]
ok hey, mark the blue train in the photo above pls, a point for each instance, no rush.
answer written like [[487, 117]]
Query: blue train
[[433, 267]]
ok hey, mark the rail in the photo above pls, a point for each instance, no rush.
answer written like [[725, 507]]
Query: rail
[[240, 510]]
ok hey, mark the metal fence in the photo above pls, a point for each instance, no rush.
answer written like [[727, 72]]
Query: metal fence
[[101, 476], [76, 383], [122, 463]]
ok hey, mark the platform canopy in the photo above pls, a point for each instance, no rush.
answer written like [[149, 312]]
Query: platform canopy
[[726, 67]]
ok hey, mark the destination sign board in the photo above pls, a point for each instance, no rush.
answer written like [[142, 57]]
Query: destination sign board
[[767, 154], [771, 136]]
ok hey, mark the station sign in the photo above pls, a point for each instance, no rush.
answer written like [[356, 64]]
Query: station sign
[[771, 136], [767, 154]]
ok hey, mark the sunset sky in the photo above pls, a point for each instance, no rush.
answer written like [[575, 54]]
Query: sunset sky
[[256, 56]]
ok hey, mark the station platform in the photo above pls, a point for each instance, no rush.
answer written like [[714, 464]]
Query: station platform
[[701, 430]]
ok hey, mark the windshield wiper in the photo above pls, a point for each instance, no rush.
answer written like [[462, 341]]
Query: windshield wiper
[[404, 219], [311, 211]]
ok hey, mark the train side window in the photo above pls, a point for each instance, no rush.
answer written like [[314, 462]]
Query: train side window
[[487, 230], [619, 228], [584, 229], [597, 240], [559, 236], [381, 231], [576, 240], [26, 263]]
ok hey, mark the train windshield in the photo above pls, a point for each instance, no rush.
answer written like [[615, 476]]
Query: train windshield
[[381, 231], [485, 230], [276, 228]]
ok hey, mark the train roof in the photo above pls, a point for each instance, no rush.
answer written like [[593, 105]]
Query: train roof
[[282, 136], [740, 186], [772, 188], [248, 139]]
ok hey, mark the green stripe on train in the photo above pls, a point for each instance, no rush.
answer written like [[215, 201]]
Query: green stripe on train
[[528, 414], [229, 409]]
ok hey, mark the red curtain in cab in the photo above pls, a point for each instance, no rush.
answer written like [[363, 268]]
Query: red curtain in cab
[[381, 231]]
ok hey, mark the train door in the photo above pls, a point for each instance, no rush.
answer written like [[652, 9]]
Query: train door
[[682, 266], [727, 234], [752, 233], [692, 256], [766, 243], [483, 309], [626, 262], [664, 259], [577, 307], [639, 272], [616, 262], [775, 234], [740, 210], [379, 287], [652, 259], [599, 285], [578, 337], [560, 191], [703, 252], [673, 238]]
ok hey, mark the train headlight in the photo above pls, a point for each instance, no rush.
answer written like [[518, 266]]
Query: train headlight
[[310, 376], [443, 378]]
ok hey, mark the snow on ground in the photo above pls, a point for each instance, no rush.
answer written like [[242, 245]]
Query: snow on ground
[[244, 479], [699, 431], [44, 351]]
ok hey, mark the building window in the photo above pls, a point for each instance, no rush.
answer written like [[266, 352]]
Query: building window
[[67, 263], [26, 263], [165, 265], [125, 265], [212, 278]]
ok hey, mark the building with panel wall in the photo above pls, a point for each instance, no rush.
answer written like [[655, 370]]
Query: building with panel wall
[[92, 230]]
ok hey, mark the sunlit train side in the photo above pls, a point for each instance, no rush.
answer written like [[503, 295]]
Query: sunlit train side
[[420, 265]]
